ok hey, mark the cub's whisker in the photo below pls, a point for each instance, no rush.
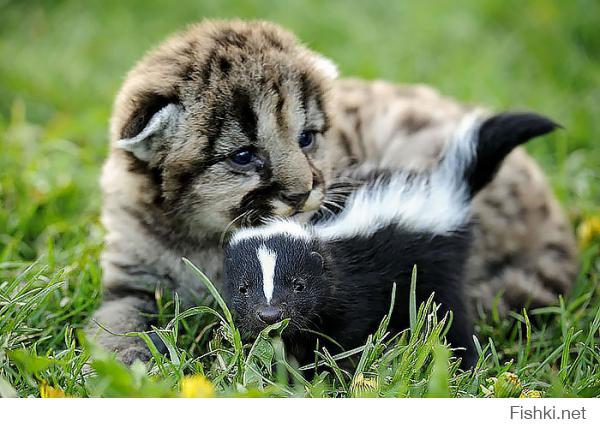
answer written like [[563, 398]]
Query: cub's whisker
[[229, 225]]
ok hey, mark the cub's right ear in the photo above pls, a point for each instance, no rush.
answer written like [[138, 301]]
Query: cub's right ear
[[149, 127], [497, 137]]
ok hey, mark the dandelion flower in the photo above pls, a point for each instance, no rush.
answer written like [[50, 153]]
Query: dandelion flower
[[196, 386], [588, 230], [47, 391], [530, 393]]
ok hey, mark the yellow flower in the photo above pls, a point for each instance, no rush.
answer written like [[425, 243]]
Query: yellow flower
[[588, 230], [196, 386], [47, 391], [364, 386], [530, 393]]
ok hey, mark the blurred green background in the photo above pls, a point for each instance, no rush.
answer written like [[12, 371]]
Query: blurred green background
[[61, 63], [64, 60]]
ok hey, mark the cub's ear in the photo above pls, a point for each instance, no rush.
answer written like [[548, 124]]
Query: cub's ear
[[324, 65], [497, 137], [149, 127]]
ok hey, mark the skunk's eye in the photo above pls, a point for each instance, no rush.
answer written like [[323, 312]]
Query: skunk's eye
[[306, 140], [298, 285], [243, 289]]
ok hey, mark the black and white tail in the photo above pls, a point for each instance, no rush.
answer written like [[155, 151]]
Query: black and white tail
[[478, 150], [438, 201]]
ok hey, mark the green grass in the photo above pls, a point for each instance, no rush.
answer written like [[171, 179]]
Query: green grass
[[60, 65]]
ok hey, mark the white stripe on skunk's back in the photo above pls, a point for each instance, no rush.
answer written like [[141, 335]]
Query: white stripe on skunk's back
[[267, 259], [436, 202]]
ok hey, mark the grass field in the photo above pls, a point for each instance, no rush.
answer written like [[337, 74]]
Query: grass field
[[61, 63]]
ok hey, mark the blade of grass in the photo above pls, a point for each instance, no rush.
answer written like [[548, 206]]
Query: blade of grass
[[412, 308], [212, 289]]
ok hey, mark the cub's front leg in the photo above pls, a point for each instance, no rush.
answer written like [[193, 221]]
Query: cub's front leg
[[123, 314]]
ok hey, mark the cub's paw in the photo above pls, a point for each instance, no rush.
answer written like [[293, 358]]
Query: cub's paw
[[134, 352]]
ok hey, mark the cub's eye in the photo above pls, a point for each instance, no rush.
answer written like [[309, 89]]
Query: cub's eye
[[298, 285], [242, 157], [306, 139], [243, 289], [245, 160]]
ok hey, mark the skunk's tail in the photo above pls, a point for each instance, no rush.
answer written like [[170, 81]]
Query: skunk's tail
[[479, 147]]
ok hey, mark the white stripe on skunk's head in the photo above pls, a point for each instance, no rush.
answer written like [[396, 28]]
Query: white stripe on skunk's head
[[274, 228], [438, 201], [267, 259]]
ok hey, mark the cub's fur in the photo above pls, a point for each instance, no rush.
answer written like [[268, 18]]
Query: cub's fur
[[230, 123]]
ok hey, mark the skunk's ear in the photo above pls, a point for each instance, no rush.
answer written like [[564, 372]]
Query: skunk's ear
[[497, 137], [149, 127], [318, 259]]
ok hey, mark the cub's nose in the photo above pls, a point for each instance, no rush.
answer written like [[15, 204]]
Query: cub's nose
[[269, 314], [295, 200]]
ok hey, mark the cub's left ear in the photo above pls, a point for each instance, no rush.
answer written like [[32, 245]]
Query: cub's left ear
[[497, 137], [147, 130]]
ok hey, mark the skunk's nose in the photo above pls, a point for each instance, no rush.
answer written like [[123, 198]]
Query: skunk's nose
[[269, 314]]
